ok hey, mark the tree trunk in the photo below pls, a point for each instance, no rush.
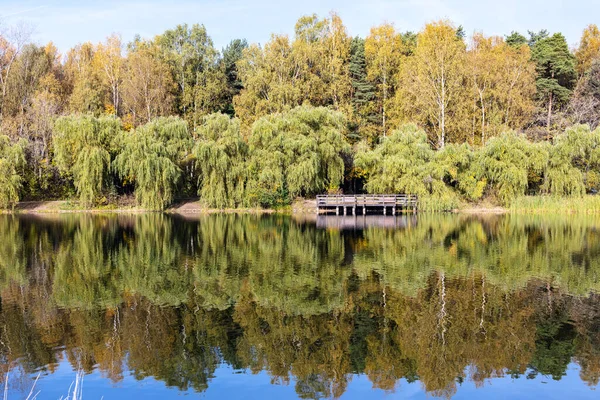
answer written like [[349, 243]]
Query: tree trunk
[[549, 113]]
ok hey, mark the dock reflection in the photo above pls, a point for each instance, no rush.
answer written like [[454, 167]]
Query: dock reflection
[[361, 222]]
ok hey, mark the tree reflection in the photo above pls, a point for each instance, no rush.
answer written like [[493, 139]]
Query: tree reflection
[[444, 300]]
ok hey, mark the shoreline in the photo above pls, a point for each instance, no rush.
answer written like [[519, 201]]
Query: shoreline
[[299, 207]]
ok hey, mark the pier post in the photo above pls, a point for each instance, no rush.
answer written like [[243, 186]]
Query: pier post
[[384, 209], [337, 210], [345, 210], [394, 210]]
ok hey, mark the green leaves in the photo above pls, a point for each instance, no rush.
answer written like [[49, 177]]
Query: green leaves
[[12, 158], [151, 158], [297, 153], [405, 163], [574, 162], [220, 154], [82, 151], [507, 161]]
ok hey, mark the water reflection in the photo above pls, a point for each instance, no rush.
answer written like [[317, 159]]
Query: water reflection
[[439, 299]]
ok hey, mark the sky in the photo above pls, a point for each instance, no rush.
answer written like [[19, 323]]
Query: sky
[[68, 22]]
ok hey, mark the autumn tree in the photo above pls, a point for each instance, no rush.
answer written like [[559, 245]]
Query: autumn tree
[[148, 86], [588, 50], [87, 94], [313, 68], [110, 64], [584, 106], [193, 62], [431, 88], [12, 41], [502, 80], [383, 54]]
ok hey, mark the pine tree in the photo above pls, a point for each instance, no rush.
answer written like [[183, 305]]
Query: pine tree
[[363, 93], [556, 71]]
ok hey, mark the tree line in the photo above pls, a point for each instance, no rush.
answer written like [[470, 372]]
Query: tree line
[[172, 116]]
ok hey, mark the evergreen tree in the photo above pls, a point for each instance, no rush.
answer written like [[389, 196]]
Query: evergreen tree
[[363, 93], [515, 39], [555, 68], [231, 55]]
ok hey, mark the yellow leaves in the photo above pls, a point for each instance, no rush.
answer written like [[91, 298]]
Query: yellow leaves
[[589, 48]]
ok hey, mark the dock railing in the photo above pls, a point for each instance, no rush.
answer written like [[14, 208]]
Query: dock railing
[[364, 201]]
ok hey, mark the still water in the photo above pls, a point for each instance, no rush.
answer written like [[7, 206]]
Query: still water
[[246, 306]]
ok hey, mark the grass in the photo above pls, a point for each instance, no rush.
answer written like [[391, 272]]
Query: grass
[[588, 204]]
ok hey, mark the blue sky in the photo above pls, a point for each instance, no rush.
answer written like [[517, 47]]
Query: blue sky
[[68, 22]]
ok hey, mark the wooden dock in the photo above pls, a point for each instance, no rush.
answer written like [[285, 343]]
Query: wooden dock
[[364, 203]]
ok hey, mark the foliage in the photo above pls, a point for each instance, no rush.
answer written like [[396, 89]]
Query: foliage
[[83, 148], [220, 155], [364, 114], [151, 158], [556, 71], [431, 81], [574, 162], [509, 162], [588, 50], [12, 160], [404, 163], [297, 153]]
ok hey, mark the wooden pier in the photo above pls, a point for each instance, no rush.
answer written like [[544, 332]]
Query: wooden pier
[[364, 203]]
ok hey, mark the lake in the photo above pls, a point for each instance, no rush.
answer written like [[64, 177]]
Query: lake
[[271, 306]]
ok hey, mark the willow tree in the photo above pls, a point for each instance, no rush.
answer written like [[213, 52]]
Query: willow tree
[[82, 151], [574, 161], [510, 164], [403, 163], [151, 158], [220, 158], [12, 158], [299, 152]]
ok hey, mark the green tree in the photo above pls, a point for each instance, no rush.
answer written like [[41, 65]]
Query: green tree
[[404, 163], [556, 72], [220, 153], [83, 146], [295, 153], [151, 157], [509, 162], [365, 117], [231, 55], [574, 162], [12, 159]]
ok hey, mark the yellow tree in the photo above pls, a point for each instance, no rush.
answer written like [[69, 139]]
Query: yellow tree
[[313, 69], [148, 86], [109, 61], [271, 79], [502, 84], [383, 52], [431, 88], [588, 50], [84, 80]]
